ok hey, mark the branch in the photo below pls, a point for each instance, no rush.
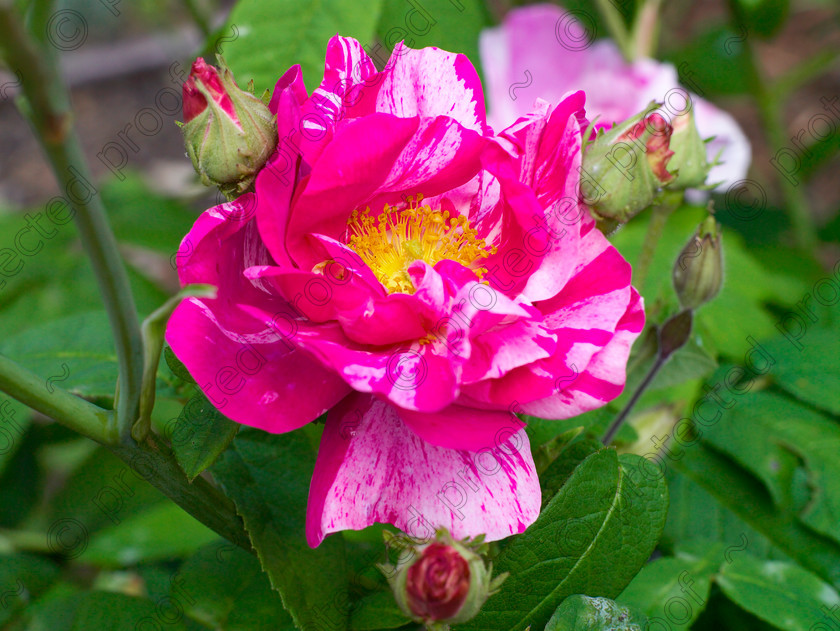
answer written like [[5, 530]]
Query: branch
[[48, 110]]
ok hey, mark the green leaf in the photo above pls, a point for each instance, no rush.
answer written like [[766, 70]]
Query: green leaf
[[592, 538], [162, 532], [103, 491], [744, 496], [582, 613], [201, 434], [268, 476], [674, 589], [778, 592], [377, 611], [75, 353], [714, 62], [452, 26], [144, 218], [558, 472], [762, 17], [770, 435], [100, 610], [23, 578], [807, 369], [695, 517], [274, 35], [224, 587]]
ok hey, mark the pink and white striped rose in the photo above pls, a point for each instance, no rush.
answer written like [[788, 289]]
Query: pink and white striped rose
[[419, 278]]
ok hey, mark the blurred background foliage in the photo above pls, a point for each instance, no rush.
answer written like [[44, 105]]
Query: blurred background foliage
[[754, 500]]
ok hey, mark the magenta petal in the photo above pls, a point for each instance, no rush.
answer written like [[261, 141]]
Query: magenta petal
[[459, 427], [605, 375], [260, 380], [372, 469]]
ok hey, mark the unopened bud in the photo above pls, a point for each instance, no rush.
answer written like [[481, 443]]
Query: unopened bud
[[627, 166], [688, 164], [443, 582], [698, 272], [229, 133]]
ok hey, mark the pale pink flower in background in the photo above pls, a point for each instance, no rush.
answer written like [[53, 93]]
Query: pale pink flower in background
[[540, 52]]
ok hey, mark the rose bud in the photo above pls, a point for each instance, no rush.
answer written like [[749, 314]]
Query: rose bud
[[443, 582], [626, 167], [229, 133], [689, 163], [698, 272]]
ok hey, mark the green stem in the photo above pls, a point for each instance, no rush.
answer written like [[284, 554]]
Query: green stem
[[616, 27], [817, 65], [151, 459], [156, 463], [646, 29], [69, 410], [49, 113], [770, 108], [199, 18], [153, 330], [612, 430], [658, 218]]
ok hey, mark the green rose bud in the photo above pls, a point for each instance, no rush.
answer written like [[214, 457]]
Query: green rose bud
[[698, 272], [625, 167], [229, 133], [688, 163]]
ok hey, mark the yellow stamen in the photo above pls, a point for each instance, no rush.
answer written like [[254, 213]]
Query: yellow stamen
[[397, 238]]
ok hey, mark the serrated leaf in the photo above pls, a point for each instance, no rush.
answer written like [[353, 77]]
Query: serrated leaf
[[224, 587], [377, 611], [592, 538], [267, 476], [778, 592], [200, 435], [770, 435], [274, 35], [582, 613], [744, 496], [697, 518], [807, 367]]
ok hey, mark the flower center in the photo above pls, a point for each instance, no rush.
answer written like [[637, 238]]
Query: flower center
[[396, 238]]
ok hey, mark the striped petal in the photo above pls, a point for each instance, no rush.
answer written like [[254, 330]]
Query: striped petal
[[372, 468]]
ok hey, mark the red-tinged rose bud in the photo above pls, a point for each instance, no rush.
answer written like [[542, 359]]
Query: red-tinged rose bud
[[443, 582], [229, 133], [195, 102], [626, 167], [437, 585]]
